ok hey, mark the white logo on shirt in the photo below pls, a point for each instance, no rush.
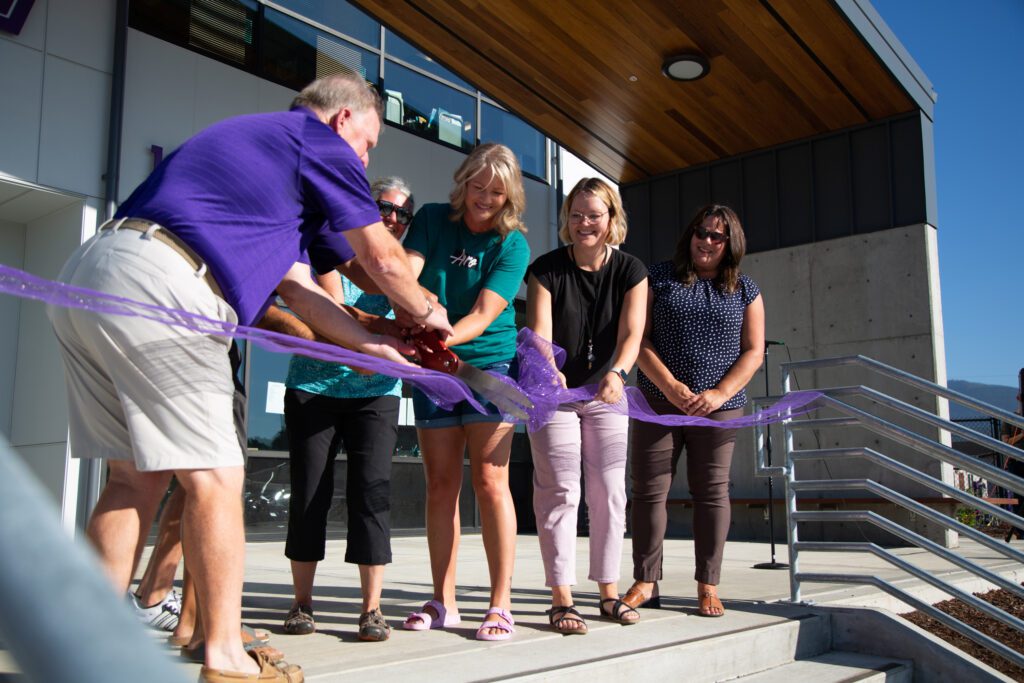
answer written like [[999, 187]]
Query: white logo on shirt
[[464, 260]]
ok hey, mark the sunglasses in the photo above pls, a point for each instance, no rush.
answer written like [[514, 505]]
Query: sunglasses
[[703, 233], [403, 214]]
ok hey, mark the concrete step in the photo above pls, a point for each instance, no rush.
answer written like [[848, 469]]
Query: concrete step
[[669, 646], [837, 667]]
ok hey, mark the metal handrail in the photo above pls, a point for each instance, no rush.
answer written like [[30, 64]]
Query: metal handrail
[[837, 399], [41, 564]]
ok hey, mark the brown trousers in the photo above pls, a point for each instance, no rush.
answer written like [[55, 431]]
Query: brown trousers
[[655, 451]]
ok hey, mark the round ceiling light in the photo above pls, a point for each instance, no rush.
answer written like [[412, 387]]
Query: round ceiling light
[[688, 67]]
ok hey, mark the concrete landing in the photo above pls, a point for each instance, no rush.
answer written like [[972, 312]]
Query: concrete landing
[[759, 631]]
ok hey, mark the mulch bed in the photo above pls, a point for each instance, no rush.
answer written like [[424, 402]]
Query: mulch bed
[[1005, 601]]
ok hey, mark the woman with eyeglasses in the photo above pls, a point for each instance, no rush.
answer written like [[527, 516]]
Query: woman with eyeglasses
[[327, 406], [590, 299], [703, 341], [472, 254]]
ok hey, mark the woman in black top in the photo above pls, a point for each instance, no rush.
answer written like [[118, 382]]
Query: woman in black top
[[588, 298]]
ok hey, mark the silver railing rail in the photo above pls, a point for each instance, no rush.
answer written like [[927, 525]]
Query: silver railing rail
[[59, 618], [838, 400]]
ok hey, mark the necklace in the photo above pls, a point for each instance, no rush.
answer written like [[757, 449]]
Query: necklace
[[589, 318]]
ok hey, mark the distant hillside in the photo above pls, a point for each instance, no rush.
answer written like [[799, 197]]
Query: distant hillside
[[995, 394]]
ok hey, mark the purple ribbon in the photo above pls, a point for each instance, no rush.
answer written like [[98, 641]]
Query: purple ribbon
[[537, 375]]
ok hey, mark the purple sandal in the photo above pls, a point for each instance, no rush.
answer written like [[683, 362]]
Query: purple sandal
[[422, 621], [505, 623]]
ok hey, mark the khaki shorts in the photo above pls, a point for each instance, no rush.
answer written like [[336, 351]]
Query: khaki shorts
[[140, 390]]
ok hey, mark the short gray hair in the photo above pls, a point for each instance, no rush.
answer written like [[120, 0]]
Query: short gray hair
[[393, 182], [329, 94]]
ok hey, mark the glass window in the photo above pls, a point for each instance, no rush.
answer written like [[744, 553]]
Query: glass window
[[339, 15], [222, 29], [428, 107], [294, 53], [396, 46], [267, 373], [529, 144]]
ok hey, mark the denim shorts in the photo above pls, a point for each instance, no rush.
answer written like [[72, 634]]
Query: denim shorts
[[431, 416]]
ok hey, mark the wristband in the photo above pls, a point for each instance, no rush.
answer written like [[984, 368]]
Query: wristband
[[623, 375], [422, 318]]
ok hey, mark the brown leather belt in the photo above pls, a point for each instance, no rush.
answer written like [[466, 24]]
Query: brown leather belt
[[161, 234]]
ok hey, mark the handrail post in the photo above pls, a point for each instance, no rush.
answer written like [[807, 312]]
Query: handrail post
[[790, 477]]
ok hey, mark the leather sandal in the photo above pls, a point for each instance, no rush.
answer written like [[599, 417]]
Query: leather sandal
[[618, 611], [566, 620], [707, 600], [269, 673], [373, 627], [636, 598], [299, 621]]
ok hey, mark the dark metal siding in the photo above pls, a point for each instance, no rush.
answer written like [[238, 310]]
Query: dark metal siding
[[856, 181]]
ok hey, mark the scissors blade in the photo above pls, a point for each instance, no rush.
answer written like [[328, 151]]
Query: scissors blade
[[508, 399]]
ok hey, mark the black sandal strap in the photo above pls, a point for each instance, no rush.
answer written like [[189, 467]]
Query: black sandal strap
[[556, 615], [616, 612]]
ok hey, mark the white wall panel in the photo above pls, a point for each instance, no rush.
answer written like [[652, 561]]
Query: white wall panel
[[40, 413], [49, 463], [82, 32], [12, 253], [21, 85], [221, 92], [274, 97], [73, 139], [159, 105], [540, 218]]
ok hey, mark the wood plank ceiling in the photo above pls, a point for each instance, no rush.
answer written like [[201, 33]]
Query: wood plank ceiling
[[781, 70]]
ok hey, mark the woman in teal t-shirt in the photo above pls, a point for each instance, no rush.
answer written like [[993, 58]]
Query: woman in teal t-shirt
[[472, 254]]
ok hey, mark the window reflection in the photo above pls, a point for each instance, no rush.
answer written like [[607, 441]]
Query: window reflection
[[498, 125], [267, 373], [429, 108], [398, 47], [294, 53], [338, 15]]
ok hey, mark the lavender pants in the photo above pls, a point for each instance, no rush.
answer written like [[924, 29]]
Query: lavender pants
[[585, 437]]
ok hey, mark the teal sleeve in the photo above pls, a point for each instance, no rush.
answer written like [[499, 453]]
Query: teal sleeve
[[509, 268]]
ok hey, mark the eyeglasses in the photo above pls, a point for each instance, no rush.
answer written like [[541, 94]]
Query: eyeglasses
[[702, 233], [575, 217], [403, 214]]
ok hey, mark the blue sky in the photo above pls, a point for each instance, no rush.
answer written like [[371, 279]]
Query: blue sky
[[973, 53]]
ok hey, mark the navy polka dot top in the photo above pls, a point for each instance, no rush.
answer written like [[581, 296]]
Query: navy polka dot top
[[696, 330]]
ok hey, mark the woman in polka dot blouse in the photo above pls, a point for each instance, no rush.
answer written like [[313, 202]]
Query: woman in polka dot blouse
[[703, 341]]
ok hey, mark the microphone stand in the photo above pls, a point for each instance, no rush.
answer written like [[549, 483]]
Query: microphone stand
[[771, 499]]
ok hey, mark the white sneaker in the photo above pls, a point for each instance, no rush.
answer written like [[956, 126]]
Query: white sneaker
[[163, 615]]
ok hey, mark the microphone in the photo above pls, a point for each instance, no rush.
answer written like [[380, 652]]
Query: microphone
[[772, 342]]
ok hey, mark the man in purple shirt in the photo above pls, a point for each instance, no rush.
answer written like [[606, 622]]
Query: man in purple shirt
[[213, 230]]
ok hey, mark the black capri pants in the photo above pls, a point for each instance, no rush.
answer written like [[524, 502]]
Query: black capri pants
[[317, 426]]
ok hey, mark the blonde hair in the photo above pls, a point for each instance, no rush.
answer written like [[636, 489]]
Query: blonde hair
[[503, 165], [617, 226]]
